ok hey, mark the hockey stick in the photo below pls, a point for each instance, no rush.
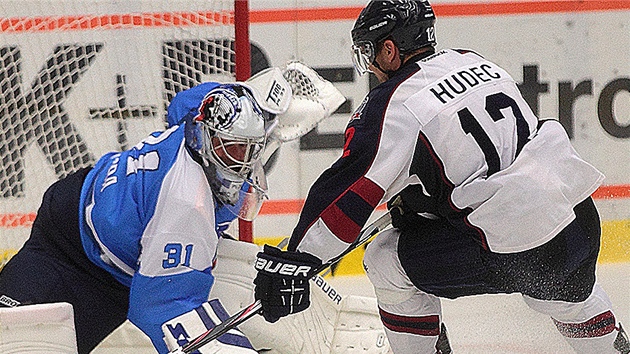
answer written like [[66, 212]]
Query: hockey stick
[[256, 307]]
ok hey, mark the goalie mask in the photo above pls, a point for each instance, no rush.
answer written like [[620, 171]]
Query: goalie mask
[[228, 133], [408, 23]]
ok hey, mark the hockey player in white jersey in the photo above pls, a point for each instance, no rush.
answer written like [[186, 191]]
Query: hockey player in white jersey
[[484, 196], [136, 235]]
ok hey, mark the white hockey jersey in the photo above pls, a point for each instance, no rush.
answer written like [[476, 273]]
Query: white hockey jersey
[[453, 131]]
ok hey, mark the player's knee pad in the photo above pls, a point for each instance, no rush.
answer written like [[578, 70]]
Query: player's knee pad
[[383, 268], [44, 328]]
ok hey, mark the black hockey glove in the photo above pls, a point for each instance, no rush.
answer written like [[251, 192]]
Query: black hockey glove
[[282, 282]]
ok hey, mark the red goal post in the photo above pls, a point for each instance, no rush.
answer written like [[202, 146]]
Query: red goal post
[[243, 72], [80, 78]]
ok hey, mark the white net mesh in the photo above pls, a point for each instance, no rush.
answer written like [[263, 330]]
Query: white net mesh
[[301, 85], [81, 78]]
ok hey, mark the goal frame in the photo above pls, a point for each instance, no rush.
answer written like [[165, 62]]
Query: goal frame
[[243, 72], [22, 23]]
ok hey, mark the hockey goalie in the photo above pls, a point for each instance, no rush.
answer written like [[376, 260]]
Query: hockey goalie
[[213, 153]]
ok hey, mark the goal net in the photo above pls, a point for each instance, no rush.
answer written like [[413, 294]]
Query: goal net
[[80, 78]]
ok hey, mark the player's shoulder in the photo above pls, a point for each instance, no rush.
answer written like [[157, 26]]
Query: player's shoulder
[[448, 62], [377, 101], [156, 153], [170, 138], [450, 57], [467, 52], [386, 90]]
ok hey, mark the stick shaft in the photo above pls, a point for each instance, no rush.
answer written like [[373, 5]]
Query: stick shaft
[[223, 327]]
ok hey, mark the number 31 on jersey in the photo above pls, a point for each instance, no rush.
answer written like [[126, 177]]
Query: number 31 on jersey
[[177, 254]]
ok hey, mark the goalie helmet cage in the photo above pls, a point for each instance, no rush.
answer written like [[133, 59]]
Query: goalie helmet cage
[[79, 78]]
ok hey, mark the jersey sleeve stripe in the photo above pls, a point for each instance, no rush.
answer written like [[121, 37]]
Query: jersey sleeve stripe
[[369, 191], [355, 207], [340, 223]]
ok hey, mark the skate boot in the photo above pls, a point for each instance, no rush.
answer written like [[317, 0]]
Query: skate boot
[[621, 343], [443, 346]]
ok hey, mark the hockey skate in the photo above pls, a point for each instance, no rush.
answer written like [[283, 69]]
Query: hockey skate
[[443, 346], [621, 343]]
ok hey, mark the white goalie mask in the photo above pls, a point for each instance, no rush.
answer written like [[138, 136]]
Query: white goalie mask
[[229, 135]]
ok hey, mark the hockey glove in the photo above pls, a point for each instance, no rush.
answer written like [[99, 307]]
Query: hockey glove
[[282, 282]]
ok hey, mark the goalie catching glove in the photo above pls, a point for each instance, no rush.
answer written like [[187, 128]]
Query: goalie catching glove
[[282, 282]]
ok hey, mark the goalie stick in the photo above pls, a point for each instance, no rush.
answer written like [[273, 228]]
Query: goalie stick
[[256, 307]]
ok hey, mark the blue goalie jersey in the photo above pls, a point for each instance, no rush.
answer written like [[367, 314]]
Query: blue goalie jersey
[[148, 217]]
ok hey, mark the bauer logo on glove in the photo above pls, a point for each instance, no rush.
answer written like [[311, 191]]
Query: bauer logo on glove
[[282, 283], [274, 266]]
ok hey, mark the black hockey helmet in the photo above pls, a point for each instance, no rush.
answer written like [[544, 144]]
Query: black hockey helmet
[[409, 23]]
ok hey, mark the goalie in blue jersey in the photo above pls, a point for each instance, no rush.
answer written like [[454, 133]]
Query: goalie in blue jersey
[[135, 237]]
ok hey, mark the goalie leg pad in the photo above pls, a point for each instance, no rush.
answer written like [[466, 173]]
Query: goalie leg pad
[[312, 331], [307, 332], [358, 328], [42, 328], [180, 330]]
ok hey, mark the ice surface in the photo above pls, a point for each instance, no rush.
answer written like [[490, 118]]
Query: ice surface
[[503, 324]]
